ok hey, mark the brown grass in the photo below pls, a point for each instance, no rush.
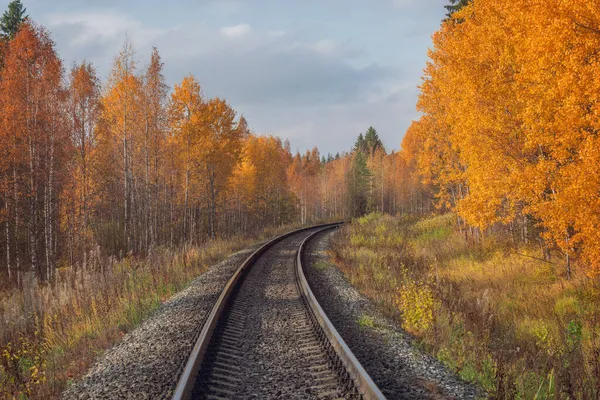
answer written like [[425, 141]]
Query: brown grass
[[52, 333], [494, 311]]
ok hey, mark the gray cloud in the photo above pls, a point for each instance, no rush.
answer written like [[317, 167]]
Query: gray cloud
[[268, 76], [305, 82], [246, 68]]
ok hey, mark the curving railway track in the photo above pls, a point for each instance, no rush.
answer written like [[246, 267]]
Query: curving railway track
[[267, 336]]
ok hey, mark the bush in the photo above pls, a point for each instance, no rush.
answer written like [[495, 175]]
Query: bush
[[494, 312]]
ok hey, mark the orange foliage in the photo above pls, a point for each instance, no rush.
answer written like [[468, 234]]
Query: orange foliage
[[34, 150], [122, 167], [510, 99]]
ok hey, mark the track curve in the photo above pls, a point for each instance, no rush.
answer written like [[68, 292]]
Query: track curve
[[267, 337]]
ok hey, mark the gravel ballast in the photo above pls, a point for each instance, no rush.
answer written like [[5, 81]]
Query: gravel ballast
[[386, 352], [276, 353], [147, 362]]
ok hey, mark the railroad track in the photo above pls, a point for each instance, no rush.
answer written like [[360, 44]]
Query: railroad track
[[267, 336]]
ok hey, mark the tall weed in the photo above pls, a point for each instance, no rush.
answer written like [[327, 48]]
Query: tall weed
[[495, 312]]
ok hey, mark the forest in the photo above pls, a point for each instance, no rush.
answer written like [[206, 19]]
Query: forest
[[129, 164], [509, 131], [503, 285], [116, 192]]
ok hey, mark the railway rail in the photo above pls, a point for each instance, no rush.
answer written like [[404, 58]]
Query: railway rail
[[267, 336]]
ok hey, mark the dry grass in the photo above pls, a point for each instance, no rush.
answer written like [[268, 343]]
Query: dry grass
[[51, 334], [493, 311]]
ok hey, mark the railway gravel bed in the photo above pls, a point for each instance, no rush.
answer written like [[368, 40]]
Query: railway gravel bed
[[267, 348], [386, 352], [147, 362]]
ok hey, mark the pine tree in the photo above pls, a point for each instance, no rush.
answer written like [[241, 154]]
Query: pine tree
[[12, 18], [359, 145], [358, 184], [455, 5], [372, 141]]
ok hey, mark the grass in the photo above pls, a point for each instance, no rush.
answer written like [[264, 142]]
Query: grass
[[53, 333], [366, 321], [321, 265], [494, 312]]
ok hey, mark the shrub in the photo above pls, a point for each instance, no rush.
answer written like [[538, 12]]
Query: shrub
[[417, 303], [495, 312]]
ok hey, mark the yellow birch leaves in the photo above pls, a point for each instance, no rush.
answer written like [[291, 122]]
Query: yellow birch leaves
[[510, 101]]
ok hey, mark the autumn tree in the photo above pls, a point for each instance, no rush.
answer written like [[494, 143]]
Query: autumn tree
[[186, 109], [413, 186], [559, 109], [505, 137], [34, 149], [218, 153], [303, 174], [334, 188], [119, 141], [154, 111], [259, 191], [84, 110]]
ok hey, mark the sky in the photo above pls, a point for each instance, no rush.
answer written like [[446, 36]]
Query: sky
[[316, 72]]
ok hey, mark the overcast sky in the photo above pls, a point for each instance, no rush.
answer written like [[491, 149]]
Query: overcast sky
[[317, 72]]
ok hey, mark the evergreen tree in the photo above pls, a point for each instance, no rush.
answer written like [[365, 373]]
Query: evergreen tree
[[372, 141], [358, 184], [12, 18], [455, 5], [360, 143]]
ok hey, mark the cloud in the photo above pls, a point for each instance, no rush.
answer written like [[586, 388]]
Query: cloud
[[98, 36], [236, 31], [418, 4], [330, 47], [277, 33], [263, 69], [277, 72], [89, 27], [333, 128], [313, 82], [325, 46]]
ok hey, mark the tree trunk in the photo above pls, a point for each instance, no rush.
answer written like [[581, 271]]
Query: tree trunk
[[125, 193], [16, 224], [568, 257], [7, 229], [48, 200], [213, 206], [147, 188], [186, 202], [33, 223]]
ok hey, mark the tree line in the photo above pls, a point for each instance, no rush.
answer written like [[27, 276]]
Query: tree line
[[366, 179], [122, 166], [509, 128]]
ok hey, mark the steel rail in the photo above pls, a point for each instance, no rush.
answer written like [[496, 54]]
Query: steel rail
[[363, 382], [186, 382]]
